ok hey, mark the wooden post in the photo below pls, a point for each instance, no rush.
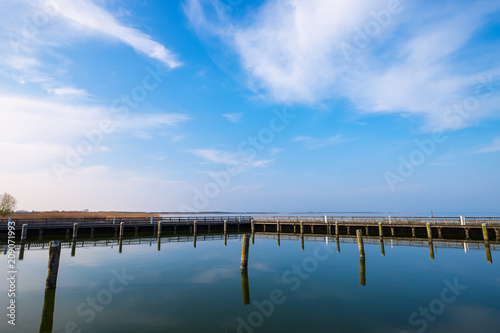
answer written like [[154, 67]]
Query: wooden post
[[329, 229], [195, 228], [336, 228], [485, 232], [431, 249], [24, 232], [21, 251], [245, 288], [75, 230], [301, 227], [467, 233], [53, 264], [122, 229], [264, 226], [413, 232], [488, 252], [361, 246], [392, 231], [380, 230], [312, 228], [440, 233], [252, 226], [367, 231], [245, 246], [348, 230], [159, 229], [497, 234], [429, 230], [294, 228], [278, 227]]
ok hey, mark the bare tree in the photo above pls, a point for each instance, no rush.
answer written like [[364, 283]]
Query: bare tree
[[7, 204]]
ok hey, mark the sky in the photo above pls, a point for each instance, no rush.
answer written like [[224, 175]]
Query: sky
[[251, 105]]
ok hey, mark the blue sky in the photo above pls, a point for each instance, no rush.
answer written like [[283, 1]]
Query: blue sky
[[235, 105]]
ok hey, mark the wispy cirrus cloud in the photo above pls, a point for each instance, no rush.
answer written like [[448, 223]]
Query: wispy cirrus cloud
[[315, 143], [32, 32], [229, 158], [233, 117], [492, 148], [314, 51]]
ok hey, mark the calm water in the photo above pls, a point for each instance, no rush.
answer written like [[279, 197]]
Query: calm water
[[185, 289]]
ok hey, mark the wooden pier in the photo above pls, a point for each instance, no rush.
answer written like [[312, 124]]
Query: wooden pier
[[486, 228]]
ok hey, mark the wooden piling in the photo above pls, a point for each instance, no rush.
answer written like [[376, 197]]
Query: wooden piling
[[488, 252], [24, 232], [440, 233], [367, 231], [195, 228], [278, 227], [75, 230], [485, 232], [429, 230], [53, 264], [336, 228], [467, 233], [312, 228], [245, 288], [392, 231], [413, 232], [329, 229], [159, 229], [380, 230], [301, 227], [431, 249], [245, 246], [21, 251], [122, 229], [348, 230], [361, 246], [252, 226], [497, 234]]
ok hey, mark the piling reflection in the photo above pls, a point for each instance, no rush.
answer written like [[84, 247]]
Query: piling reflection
[[21, 251], [488, 252], [382, 247], [73, 248], [245, 288], [48, 311], [362, 274]]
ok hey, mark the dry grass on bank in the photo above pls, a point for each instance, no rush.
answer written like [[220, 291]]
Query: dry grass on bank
[[66, 215]]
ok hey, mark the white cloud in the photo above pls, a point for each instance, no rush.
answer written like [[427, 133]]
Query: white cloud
[[315, 143], [90, 16], [229, 158], [233, 117], [311, 51], [494, 147], [32, 31]]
